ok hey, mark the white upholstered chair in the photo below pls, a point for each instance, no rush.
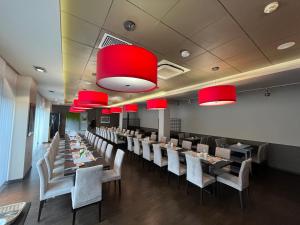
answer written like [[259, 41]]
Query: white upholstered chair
[[50, 189], [153, 137], [224, 153], [202, 148], [137, 147], [158, 159], [103, 148], [147, 154], [98, 148], [87, 189], [115, 173], [261, 155], [163, 140], [174, 141], [240, 182], [195, 175], [174, 165], [108, 153], [186, 145]]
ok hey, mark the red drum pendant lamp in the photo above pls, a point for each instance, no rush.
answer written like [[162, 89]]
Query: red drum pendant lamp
[[74, 110], [217, 95], [116, 110], [131, 108], [126, 68], [106, 111], [92, 98], [155, 104]]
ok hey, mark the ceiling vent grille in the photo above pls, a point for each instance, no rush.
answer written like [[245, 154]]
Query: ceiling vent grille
[[108, 40], [167, 69]]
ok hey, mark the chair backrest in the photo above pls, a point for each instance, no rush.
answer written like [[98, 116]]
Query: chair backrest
[[244, 173], [173, 161], [194, 170], [88, 186], [153, 137], [132, 132], [43, 174], [137, 147], [262, 153], [221, 142], [99, 144], [119, 161], [146, 150], [108, 152], [186, 144], [103, 147], [157, 159], [49, 164], [129, 144], [174, 141], [163, 140], [96, 142], [202, 148], [223, 153], [139, 136]]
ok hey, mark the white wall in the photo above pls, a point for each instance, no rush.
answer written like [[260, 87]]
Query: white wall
[[274, 119], [148, 118]]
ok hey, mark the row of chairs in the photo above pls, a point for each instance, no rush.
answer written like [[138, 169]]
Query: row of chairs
[[109, 134], [53, 183]]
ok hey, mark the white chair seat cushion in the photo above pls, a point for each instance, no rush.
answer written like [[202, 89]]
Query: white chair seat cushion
[[164, 162], [110, 175], [207, 180], [59, 187], [229, 180]]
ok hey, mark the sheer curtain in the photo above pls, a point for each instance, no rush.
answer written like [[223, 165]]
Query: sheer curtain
[[41, 124], [7, 108]]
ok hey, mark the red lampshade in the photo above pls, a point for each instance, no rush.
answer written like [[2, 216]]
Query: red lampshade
[[126, 68], [74, 110], [77, 104], [93, 98], [157, 104], [116, 110], [131, 108], [217, 95], [106, 111]]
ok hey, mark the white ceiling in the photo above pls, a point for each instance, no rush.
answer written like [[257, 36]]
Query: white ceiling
[[30, 34]]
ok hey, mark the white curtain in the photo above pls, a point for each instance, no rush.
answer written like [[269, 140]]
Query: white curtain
[[41, 123], [7, 108]]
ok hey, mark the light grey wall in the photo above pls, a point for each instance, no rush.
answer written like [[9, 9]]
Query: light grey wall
[[148, 118]]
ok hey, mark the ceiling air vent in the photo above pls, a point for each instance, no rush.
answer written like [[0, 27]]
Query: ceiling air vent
[[108, 40], [167, 69]]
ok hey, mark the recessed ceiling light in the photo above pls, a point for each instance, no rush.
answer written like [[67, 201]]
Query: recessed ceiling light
[[39, 69], [216, 68], [185, 53], [129, 25], [87, 82], [51, 91], [271, 7], [94, 74], [286, 45]]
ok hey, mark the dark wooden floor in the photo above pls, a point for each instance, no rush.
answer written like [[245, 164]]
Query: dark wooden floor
[[147, 199]]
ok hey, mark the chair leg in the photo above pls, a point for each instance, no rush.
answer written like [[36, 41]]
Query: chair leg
[[241, 199], [120, 189], [74, 216], [40, 209], [100, 206], [201, 196]]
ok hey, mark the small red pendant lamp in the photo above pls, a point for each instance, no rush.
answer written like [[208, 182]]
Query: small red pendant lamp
[[74, 110], [106, 111], [116, 110], [92, 98], [126, 68], [131, 108], [217, 95], [78, 105], [158, 103]]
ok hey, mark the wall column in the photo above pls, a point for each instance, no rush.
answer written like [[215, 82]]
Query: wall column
[[163, 123], [121, 120]]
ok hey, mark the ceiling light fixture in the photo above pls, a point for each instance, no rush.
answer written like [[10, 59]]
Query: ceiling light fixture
[[271, 7], [155, 104], [185, 53], [39, 69], [131, 108], [93, 98], [216, 68], [106, 111], [126, 68], [217, 95], [74, 110], [286, 45], [51, 91], [116, 110], [129, 25]]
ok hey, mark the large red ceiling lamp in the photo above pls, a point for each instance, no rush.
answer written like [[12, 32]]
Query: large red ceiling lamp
[[126, 68], [116, 110], [106, 111], [92, 98], [158, 103], [74, 110], [217, 95], [131, 108], [78, 105]]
